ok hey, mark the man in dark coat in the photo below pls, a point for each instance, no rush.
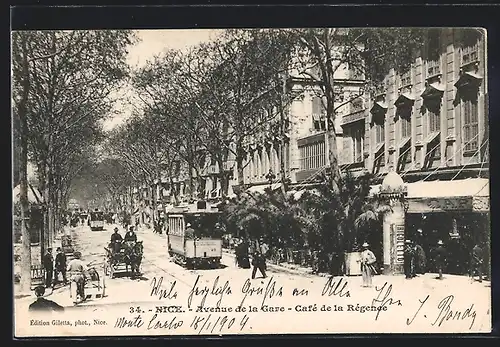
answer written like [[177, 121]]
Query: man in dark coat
[[116, 240], [477, 262], [42, 304], [60, 266], [48, 264], [409, 259], [440, 256], [130, 236], [420, 260], [258, 262]]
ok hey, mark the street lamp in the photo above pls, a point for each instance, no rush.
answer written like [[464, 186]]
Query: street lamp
[[270, 177]]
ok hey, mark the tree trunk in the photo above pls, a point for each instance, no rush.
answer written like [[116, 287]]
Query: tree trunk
[[223, 177], [240, 157], [153, 204], [282, 140], [23, 188], [333, 158]]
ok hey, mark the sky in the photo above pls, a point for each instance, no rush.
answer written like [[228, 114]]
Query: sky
[[153, 42]]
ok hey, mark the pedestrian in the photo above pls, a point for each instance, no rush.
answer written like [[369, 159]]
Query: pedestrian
[[420, 264], [440, 256], [477, 259], [368, 261], [409, 259], [258, 262], [78, 273], [42, 304], [264, 251], [48, 264], [60, 266]]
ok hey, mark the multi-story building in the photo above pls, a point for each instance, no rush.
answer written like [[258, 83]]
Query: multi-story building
[[429, 124]]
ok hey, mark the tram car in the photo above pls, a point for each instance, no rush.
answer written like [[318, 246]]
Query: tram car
[[194, 238], [96, 220]]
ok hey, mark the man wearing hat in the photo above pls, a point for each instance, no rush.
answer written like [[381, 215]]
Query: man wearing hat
[[48, 264], [368, 261], [409, 260], [116, 240], [42, 304], [78, 273], [60, 266], [440, 256], [130, 236]]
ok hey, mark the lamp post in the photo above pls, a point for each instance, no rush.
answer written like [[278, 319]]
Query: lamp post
[[270, 177]]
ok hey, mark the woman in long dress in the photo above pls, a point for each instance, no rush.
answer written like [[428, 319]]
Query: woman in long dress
[[368, 261]]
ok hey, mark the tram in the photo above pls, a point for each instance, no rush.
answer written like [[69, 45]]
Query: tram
[[96, 220], [194, 238]]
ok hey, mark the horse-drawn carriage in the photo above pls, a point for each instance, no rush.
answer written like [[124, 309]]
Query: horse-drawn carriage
[[124, 255]]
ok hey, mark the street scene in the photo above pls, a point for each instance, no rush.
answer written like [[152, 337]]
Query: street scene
[[250, 181]]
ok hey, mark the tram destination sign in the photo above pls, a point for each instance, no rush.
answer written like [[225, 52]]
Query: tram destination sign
[[422, 205]]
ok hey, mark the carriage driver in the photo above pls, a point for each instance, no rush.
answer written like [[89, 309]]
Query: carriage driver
[[78, 272], [116, 239], [130, 235]]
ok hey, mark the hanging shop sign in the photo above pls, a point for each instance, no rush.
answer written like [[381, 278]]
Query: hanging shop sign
[[422, 205]]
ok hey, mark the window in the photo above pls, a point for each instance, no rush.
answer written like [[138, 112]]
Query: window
[[434, 121], [470, 124], [405, 127], [358, 135], [380, 132], [433, 52], [312, 156], [318, 114], [434, 115], [406, 78], [470, 47]]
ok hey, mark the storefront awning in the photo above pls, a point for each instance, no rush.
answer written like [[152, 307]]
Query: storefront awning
[[458, 195], [438, 196]]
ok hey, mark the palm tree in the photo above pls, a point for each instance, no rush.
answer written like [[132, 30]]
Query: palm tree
[[369, 224]]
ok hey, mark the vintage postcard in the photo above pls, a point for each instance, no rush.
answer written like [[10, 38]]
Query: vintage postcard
[[250, 181]]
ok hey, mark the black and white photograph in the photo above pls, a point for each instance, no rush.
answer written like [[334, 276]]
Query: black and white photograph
[[250, 181]]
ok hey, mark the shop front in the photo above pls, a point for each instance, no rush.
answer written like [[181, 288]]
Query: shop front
[[455, 212]]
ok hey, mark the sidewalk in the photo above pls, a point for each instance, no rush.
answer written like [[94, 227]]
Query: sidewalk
[[35, 260], [283, 267]]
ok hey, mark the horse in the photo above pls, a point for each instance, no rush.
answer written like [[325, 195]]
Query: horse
[[133, 256]]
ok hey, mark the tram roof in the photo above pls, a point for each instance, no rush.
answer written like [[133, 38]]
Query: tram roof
[[192, 212]]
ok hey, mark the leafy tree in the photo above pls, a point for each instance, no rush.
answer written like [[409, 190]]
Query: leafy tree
[[71, 76], [237, 81], [322, 53]]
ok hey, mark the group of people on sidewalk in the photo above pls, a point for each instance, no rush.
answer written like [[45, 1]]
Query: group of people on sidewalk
[[258, 250], [54, 266]]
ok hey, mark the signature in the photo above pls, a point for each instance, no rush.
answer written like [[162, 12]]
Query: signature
[[447, 313], [160, 292], [333, 287], [384, 299], [267, 292], [215, 290]]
